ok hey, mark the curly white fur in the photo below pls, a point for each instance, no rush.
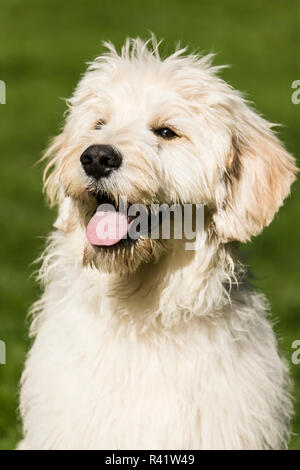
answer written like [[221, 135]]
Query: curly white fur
[[155, 347]]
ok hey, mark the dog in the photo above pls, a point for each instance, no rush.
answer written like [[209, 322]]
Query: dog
[[143, 344]]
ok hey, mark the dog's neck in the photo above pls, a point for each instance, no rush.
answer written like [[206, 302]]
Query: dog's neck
[[181, 283]]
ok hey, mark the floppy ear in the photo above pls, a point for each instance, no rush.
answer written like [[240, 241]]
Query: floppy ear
[[51, 173], [52, 186], [258, 179], [65, 220]]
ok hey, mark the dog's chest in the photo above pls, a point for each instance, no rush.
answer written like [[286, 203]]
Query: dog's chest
[[101, 383], [93, 382]]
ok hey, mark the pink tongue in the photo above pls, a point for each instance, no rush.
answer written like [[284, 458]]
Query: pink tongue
[[107, 228]]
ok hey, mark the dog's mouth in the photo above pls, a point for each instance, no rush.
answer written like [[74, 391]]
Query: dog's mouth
[[112, 222]]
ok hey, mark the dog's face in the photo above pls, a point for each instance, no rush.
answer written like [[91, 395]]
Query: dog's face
[[164, 131]]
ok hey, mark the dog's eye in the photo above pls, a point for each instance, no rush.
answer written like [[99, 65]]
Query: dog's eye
[[99, 124], [165, 133]]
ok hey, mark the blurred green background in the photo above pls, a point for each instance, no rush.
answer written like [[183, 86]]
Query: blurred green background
[[43, 49]]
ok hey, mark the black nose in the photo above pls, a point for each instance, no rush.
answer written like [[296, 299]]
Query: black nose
[[100, 160]]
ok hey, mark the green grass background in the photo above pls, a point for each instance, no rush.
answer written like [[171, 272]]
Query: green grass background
[[44, 45]]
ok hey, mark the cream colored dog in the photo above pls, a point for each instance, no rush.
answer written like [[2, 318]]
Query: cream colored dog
[[141, 344]]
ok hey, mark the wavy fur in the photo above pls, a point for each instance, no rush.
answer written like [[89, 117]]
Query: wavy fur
[[153, 346]]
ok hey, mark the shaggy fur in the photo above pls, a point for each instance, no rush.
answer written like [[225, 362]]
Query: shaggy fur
[[146, 345]]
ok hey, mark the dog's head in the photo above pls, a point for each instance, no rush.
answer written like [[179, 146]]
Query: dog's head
[[164, 131]]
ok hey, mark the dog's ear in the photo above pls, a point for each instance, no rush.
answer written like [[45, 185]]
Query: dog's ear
[[52, 187], [51, 182], [65, 220], [257, 179]]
